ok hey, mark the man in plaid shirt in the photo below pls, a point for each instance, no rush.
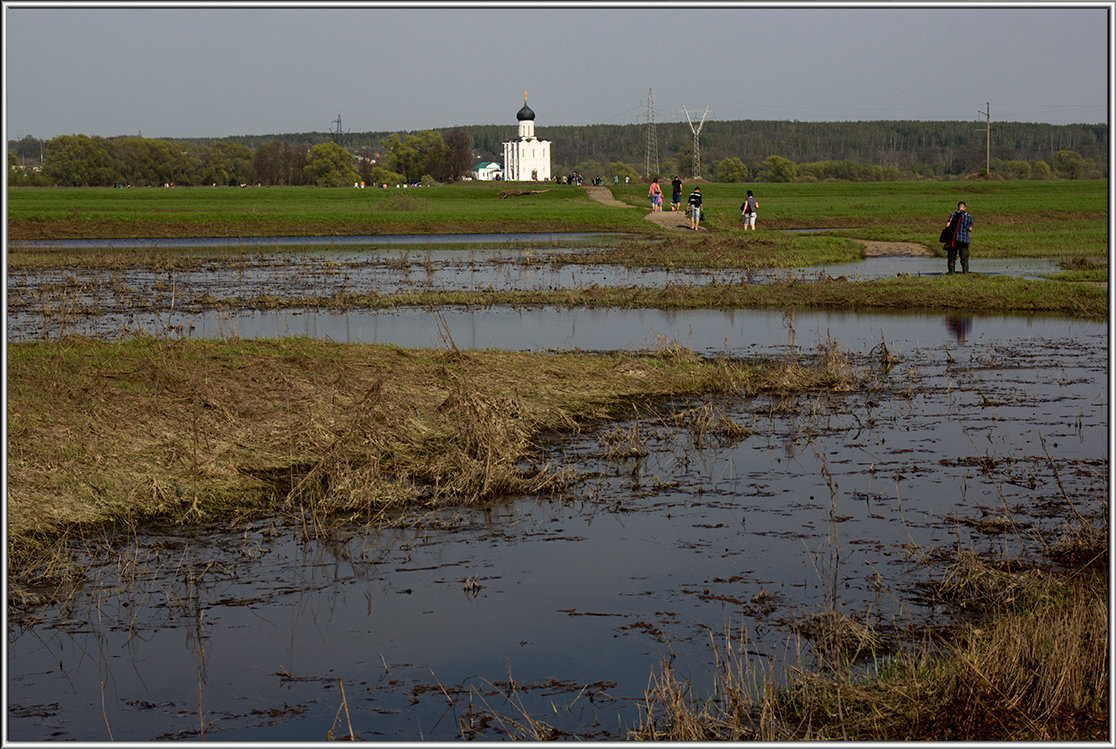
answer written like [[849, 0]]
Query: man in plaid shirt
[[959, 245]]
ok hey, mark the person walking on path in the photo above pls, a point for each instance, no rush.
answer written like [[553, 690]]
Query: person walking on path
[[958, 246], [748, 211], [656, 195], [676, 194], [695, 208]]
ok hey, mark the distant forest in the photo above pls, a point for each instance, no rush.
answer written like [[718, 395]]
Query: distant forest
[[762, 150]]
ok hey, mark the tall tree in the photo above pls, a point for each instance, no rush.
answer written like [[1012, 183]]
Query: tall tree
[[731, 169], [81, 161], [418, 155], [279, 163], [228, 163], [460, 161], [331, 166], [777, 169]]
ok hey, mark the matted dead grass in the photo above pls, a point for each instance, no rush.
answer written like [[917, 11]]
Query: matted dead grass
[[105, 432]]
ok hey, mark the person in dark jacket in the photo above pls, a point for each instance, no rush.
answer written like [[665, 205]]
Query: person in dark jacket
[[748, 211], [676, 194], [958, 245], [695, 208]]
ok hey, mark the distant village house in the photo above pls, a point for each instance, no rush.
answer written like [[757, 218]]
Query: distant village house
[[488, 171]]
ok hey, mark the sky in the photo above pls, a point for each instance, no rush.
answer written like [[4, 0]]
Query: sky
[[221, 70]]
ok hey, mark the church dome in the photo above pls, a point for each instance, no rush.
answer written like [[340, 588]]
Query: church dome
[[525, 113]]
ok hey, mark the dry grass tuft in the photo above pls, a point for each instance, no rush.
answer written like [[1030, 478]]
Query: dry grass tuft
[[1032, 667], [974, 584], [709, 424]]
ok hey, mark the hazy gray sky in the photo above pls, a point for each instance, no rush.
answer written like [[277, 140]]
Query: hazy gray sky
[[220, 70]]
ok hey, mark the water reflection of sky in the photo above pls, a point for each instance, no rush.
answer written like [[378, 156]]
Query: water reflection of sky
[[735, 332], [314, 274], [41, 303], [648, 562], [251, 631]]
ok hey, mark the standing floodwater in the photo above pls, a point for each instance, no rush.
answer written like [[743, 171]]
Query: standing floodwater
[[561, 608], [194, 293]]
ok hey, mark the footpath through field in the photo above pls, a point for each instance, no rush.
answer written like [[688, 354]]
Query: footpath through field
[[665, 218], [681, 220]]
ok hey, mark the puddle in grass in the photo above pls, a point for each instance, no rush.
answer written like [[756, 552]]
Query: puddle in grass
[[248, 633]]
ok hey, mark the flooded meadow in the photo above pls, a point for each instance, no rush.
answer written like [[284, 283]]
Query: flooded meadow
[[694, 525]]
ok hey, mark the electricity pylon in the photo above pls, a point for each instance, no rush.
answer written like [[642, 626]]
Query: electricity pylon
[[697, 149], [652, 143], [338, 134]]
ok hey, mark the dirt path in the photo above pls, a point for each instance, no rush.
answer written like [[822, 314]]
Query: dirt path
[[666, 218], [669, 219], [604, 195]]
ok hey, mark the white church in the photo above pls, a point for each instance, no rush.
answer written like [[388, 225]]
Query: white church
[[528, 158]]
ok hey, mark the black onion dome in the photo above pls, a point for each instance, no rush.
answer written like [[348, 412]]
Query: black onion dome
[[525, 113]]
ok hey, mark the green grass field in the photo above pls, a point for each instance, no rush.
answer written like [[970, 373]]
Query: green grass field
[[1063, 219], [1011, 219], [101, 213]]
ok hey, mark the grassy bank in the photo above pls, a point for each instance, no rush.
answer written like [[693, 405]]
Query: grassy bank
[[962, 293], [102, 433]]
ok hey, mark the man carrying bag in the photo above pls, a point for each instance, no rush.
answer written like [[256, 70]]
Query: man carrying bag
[[956, 238]]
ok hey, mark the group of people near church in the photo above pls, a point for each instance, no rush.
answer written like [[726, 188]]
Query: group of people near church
[[955, 236], [747, 208]]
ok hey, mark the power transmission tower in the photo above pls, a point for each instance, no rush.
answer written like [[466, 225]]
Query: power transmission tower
[[652, 143], [697, 149], [338, 134]]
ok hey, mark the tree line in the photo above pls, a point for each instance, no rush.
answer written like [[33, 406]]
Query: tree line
[[95, 161], [728, 151]]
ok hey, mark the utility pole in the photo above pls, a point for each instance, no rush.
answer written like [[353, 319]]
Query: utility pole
[[652, 144], [697, 150], [987, 139]]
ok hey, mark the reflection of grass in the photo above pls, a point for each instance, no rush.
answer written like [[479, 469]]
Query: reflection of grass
[[121, 432]]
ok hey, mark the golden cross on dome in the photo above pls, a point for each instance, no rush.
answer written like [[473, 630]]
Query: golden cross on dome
[[524, 96]]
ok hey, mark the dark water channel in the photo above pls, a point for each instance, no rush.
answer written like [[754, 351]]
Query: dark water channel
[[845, 500]]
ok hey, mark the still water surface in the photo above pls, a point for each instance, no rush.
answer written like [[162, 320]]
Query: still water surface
[[49, 303], [852, 500], [844, 500]]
